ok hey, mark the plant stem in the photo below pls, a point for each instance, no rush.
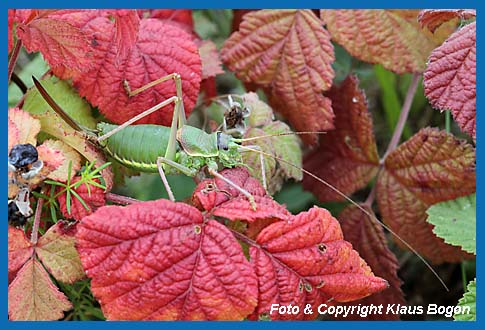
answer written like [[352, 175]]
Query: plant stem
[[35, 227], [118, 199], [448, 121], [13, 58], [370, 199], [396, 136]]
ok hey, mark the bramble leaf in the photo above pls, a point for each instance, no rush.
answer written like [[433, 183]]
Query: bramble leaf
[[306, 261], [24, 127], [433, 18], [392, 38], [52, 124], [160, 49], [11, 20], [68, 157], [162, 261], [179, 17], [59, 42], [19, 251], [289, 52], [57, 253], [127, 24], [455, 222], [431, 167], [33, 297], [347, 156], [368, 239], [223, 200], [450, 79], [92, 197], [469, 299], [209, 56]]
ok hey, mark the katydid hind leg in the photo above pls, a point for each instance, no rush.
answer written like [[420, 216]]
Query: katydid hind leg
[[138, 117], [165, 181]]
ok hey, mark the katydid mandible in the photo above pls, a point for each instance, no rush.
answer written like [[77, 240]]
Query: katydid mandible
[[186, 149]]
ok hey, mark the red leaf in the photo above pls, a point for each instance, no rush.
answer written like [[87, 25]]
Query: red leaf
[[19, 251], [33, 297], [450, 79], [368, 239], [11, 19], [59, 42], [127, 23], [306, 261], [433, 18], [431, 167], [93, 197], [160, 49], [290, 52], [211, 62], [179, 17], [160, 261], [347, 156], [392, 38], [223, 200], [211, 193]]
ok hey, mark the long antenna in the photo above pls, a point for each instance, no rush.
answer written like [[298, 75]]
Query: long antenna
[[373, 217], [57, 108], [274, 135]]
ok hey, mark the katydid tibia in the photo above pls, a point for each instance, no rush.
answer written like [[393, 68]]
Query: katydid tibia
[[187, 149]]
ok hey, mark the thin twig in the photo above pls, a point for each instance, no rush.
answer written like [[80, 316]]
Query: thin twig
[[404, 114], [35, 227], [13, 58], [118, 199]]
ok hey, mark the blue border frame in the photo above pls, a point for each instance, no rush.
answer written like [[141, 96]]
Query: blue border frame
[[232, 4]]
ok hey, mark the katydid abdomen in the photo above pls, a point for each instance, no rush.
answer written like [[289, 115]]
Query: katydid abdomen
[[138, 146]]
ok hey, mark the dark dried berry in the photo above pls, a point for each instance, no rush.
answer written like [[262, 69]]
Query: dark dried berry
[[15, 217], [22, 155]]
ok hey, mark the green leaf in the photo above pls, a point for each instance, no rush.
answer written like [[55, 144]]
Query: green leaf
[[468, 301], [66, 96], [36, 67], [286, 147], [455, 221]]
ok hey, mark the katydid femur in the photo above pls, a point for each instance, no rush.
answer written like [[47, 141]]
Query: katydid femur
[[185, 148]]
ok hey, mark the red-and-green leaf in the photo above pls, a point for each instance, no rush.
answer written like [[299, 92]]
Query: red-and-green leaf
[[33, 297], [431, 167], [19, 251], [57, 253], [392, 38], [434, 18]]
